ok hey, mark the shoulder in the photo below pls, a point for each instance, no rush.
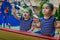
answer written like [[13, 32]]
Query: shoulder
[[53, 17], [31, 19], [40, 18]]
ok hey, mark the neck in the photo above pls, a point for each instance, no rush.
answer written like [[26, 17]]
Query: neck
[[26, 18], [47, 16]]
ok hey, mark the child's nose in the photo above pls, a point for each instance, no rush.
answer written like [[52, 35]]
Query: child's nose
[[24, 14], [44, 10]]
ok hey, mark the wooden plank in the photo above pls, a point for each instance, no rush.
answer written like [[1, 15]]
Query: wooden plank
[[29, 34]]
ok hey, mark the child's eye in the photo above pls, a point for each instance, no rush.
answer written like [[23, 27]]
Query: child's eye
[[25, 12], [47, 8]]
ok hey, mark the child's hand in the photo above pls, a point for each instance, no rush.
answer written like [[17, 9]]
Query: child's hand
[[35, 18], [29, 31], [36, 24]]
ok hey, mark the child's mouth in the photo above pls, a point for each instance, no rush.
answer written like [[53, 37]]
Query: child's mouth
[[25, 15]]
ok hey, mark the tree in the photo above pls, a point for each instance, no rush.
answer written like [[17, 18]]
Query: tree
[[57, 14]]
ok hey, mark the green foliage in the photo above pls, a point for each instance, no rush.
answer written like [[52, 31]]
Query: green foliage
[[57, 13], [46, 0], [36, 0], [25, 6]]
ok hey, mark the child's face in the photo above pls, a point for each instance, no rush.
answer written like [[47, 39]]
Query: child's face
[[46, 9], [26, 14]]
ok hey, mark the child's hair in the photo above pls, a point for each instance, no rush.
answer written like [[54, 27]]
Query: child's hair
[[30, 11], [51, 6]]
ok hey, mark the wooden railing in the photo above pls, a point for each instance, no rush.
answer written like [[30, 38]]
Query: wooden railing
[[30, 34]]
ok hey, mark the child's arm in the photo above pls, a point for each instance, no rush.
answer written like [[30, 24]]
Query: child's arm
[[55, 24], [36, 25], [32, 28], [15, 15]]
